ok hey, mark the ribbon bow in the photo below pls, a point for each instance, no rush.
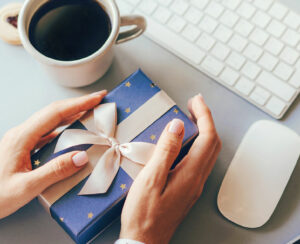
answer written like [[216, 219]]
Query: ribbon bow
[[105, 124]]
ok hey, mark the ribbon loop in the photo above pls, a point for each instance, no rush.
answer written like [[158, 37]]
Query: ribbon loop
[[109, 163]]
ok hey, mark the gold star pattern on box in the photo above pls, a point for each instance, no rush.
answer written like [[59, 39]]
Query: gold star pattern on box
[[127, 110], [123, 186], [37, 162], [128, 84], [152, 137], [61, 219], [176, 111], [90, 215]]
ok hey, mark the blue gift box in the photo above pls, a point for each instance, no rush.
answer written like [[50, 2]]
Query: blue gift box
[[84, 217]]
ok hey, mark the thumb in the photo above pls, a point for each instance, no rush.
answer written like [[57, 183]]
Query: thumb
[[58, 169], [166, 151]]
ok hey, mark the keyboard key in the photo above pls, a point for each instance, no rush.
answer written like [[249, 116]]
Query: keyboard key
[[220, 51], [289, 55], [183, 48], [231, 4], [238, 43], [263, 4], [283, 71], [223, 33], [274, 46], [291, 37], [292, 20], [201, 4], [253, 52], [276, 106], [246, 10], [278, 11], [235, 60], [276, 86], [214, 9], [148, 6], [212, 66], [176, 23], [259, 37], [229, 76], [244, 28], [208, 24], [180, 6], [244, 86], [295, 80], [268, 61], [229, 18], [162, 15], [261, 19], [193, 15], [251, 70], [260, 95], [276, 28], [206, 42], [191, 33]]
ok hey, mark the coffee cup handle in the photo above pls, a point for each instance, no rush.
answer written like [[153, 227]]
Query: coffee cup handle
[[139, 24]]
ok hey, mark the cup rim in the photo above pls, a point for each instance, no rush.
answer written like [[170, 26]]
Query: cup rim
[[115, 22]]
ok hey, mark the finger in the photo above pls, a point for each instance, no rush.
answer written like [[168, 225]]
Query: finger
[[55, 132], [181, 179], [50, 117], [72, 119], [204, 146], [209, 167], [57, 169], [166, 151], [46, 139], [208, 137], [204, 176], [201, 114]]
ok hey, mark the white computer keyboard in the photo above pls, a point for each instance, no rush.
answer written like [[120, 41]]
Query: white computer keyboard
[[249, 46]]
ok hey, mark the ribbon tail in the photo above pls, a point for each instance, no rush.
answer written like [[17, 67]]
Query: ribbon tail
[[103, 174], [137, 152], [74, 137]]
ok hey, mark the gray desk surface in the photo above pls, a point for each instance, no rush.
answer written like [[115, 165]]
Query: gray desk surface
[[25, 89]]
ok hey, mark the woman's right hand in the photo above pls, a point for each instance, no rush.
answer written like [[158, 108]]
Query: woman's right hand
[[159, 199]]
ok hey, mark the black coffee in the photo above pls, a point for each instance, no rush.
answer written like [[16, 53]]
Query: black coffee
[[69, 29]]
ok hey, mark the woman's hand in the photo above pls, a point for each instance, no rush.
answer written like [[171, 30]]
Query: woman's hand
[[159, 198], [18, 183]]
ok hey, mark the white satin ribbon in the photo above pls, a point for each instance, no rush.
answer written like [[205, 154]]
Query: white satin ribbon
[[105, 124]]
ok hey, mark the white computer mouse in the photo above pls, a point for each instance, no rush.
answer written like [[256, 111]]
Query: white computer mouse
[[258, 174]]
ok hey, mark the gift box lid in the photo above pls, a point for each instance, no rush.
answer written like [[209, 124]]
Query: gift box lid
[[82, 217]]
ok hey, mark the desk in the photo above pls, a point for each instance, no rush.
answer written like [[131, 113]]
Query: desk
[[25, 89]]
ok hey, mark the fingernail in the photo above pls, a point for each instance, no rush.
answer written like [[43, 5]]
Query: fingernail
[[200, 95], [80, 159], [98, 93], [176, 126]]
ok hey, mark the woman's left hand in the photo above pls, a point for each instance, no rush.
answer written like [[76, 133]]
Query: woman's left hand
[[19, 184]]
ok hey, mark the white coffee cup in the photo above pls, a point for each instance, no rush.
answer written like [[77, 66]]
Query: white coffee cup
[[85, 71]]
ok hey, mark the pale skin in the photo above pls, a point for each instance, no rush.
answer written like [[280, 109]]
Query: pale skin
[[159, 198]]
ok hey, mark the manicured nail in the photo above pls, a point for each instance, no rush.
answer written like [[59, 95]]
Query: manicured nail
[[176, 126], [200, 95], [80, 159], [98, 93]]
